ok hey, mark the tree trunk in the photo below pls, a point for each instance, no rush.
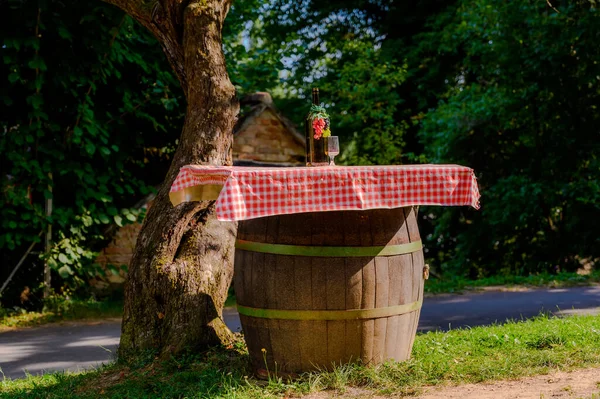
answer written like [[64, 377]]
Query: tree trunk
[[183, 261]]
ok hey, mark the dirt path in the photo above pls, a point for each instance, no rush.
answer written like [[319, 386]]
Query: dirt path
[[580, 384], [577, 384]]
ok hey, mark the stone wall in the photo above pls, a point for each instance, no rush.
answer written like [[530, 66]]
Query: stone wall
[[117, 253], [263, 138]]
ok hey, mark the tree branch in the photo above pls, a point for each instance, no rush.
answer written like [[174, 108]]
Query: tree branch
[[551, 6], [164, 18]]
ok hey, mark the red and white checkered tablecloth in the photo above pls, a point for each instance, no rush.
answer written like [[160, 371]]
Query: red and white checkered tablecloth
[[252, 192]]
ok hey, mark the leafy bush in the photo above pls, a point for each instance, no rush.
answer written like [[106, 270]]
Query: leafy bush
[[522, 111], [90, 115]]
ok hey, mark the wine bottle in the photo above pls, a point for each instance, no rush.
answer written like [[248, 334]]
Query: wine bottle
[[315, 142]]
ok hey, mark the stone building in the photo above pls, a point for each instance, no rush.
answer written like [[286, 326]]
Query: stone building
[[117, 253], [262, 137]]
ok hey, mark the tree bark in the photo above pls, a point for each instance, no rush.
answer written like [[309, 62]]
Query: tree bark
[[183, 261]]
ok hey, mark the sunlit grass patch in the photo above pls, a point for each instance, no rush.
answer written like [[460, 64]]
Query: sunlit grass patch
[[512, 350], [62, 309]]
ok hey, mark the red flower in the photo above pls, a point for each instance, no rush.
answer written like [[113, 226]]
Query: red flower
[[318, 126]]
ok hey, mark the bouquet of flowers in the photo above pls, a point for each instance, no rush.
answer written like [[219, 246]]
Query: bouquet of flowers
[[320, 121]]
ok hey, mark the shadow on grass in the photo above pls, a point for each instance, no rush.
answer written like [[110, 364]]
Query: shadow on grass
[[504, 351], [215, 372]]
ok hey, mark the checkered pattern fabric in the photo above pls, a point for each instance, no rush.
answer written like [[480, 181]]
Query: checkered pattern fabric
[[252, 192]]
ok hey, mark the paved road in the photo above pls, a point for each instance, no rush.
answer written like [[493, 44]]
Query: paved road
[[72, 347], [454, 311], [78, 346]]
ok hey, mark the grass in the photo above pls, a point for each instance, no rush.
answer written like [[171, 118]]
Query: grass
[[60, 309], [508, 351], [456, 284]]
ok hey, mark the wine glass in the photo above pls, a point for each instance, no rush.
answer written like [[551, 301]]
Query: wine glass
[[333, 148]]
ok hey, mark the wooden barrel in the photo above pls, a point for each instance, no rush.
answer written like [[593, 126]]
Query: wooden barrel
[[319, 289]]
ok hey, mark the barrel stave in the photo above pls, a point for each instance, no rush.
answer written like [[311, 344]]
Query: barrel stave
[[285, 282]]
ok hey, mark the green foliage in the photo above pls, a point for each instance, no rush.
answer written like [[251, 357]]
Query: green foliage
[[359, 54], [338, 51], [59, 308], [507, 88], [251, 56], [365, 104], [89, 117], [522, 111]]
